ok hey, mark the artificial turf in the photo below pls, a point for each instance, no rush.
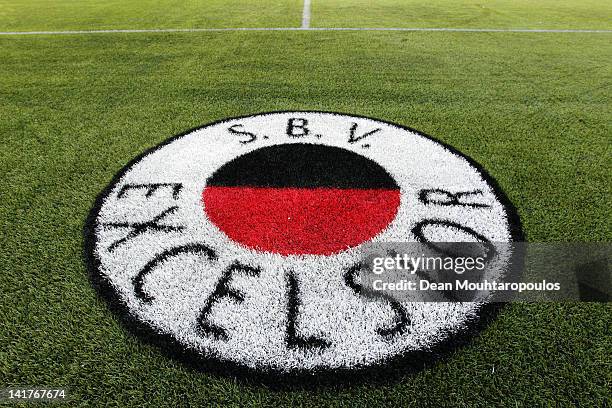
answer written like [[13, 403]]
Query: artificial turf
[[33, 15], [512, 14], [533, 109]]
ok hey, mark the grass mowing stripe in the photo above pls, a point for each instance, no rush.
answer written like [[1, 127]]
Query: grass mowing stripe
[[67, 15], [58, 15], [543, 14], [198, 30]]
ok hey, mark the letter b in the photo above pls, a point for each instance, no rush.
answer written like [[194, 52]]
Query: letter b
[[297, 127]]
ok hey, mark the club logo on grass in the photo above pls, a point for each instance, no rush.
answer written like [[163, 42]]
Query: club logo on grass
[[234, 245]]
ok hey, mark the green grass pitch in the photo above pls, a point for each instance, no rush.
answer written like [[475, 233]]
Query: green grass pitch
[[532, 108]]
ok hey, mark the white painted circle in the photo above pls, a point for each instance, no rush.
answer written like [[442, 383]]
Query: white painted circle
[[256, 327]]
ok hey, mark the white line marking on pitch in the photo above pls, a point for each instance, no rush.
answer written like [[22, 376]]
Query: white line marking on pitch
[[199, 30], [306, 14]]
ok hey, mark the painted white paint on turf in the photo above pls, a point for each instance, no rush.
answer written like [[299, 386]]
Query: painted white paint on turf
[[329, 309], [213, 30], [306, 14]]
